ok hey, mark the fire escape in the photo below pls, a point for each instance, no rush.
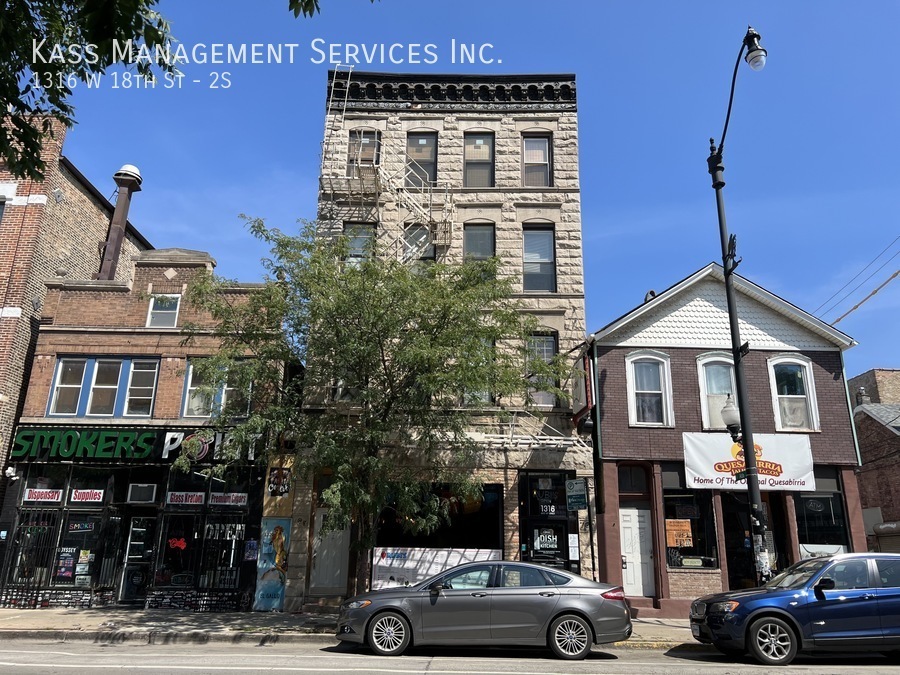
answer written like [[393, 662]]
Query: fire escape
[[361, 183]]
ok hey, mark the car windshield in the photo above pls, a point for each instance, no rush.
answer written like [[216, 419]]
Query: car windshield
[[797, 575]]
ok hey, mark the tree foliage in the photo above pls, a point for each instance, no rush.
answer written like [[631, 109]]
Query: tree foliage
[[397, 360], [36, 82]]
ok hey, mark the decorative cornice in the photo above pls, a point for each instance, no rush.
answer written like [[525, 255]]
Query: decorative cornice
[[439, 93]]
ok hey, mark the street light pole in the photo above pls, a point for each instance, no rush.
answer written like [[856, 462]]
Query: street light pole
[[756, 58]]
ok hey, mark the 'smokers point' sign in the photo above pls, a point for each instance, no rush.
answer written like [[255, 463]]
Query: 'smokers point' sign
[[112, 445]]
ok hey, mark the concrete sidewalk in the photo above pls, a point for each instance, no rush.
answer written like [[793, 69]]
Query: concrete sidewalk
[[156, 626]]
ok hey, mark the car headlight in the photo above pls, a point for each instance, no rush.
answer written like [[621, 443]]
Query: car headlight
[[723, 607], [357, 604]]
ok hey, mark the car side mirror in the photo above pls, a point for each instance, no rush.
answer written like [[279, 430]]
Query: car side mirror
[[436, 587], [824, 584]]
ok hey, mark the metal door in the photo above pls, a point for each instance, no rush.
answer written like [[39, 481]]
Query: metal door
[[331, 553], [138, 563], [637, 552]]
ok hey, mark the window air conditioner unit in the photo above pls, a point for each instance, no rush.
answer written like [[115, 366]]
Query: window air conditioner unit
[[141, 493]]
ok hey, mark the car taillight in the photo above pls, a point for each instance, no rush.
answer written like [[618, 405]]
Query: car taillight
[[614, 594]]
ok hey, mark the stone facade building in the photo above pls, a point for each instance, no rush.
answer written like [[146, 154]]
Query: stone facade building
[[50, 229], [444, 167], [675, 519], [100, 516]]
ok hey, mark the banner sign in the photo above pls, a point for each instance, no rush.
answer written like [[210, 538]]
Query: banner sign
[[85, 496], [784, 462], [271, 565], [186, 498], [112, 445], [42, 495], [409, 566], [228, 499]]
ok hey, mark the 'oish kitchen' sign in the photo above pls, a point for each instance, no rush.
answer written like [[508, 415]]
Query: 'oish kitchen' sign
[[124, 445]]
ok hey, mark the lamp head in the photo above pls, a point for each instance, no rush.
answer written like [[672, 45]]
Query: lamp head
[[731, 416], [756, 55]]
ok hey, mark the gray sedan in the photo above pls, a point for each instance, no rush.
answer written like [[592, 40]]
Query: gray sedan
[[490, 603]]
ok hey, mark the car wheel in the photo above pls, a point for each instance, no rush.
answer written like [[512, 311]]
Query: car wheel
[[389, 634], [730, 651], [772, 642], [570, 637]]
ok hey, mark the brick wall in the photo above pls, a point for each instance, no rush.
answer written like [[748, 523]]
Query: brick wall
[[879, 476], [882, 385], [833, 444], [688, 583]]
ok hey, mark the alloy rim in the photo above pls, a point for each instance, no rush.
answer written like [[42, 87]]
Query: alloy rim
[[388, 633], [773, 641], [571, 637]]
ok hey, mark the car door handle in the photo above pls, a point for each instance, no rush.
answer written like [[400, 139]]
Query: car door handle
[[547, 594], [478, 595]]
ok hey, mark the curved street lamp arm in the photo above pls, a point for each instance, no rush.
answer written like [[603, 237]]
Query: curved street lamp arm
[[737, 65]]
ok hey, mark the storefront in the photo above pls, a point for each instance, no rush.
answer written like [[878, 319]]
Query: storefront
[[103, 518]]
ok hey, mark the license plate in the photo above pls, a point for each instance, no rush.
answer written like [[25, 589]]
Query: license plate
[[695, 630]]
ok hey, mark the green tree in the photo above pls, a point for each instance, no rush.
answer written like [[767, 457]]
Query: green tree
[[37, 77], [398, 358]]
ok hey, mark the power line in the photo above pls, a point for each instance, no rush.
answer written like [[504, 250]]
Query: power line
[[861, 283], [854, 278], [859, 304]]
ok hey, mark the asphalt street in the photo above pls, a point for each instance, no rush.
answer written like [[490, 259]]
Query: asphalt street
[[320, 654]]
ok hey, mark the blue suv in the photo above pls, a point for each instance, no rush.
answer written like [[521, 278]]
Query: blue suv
[[846, 602]]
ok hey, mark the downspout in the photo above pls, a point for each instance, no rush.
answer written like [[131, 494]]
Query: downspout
[[850, 410]]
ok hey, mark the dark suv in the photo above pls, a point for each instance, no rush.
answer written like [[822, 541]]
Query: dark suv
[[846, 602]]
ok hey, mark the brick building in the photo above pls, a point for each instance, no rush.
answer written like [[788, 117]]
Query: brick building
[[447, 166], [675, 518], [49, 229], [112, 397], [877, 420]]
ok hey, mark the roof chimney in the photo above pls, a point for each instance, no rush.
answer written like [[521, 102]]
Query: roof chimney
[[129, 180], [862, 398]]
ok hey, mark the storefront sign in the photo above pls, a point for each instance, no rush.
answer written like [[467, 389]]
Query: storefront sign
[[228, 499], [678, 533], [408, 566], [576, 494], [42, 495], [784, 462], [186, 498], [86, 496], [113, 445]]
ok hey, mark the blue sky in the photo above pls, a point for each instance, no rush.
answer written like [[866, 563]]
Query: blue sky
[[813, 181]]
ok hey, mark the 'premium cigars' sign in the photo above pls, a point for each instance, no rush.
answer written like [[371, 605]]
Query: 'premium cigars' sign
[[85, 444]]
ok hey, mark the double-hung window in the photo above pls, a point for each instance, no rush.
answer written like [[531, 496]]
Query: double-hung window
[[649, 384], [203, 398], [793, 393], [539, 259], [363, 151], [360, 240], [417, 243], [542, 348], [113, 387], [536, 161], [421, 159], [716, 384], [478, 241], [479, 160], [163, 311]]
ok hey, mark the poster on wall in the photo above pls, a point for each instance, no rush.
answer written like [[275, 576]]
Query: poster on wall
[[409, 566], [278, 496], [678, 533], [271, 565], [715, 462]]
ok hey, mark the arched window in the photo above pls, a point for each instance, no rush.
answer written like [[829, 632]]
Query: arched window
[[716, 373], [793, 393], [649, 381]]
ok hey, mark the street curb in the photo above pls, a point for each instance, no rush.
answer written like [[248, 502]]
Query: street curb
[[314, 634]]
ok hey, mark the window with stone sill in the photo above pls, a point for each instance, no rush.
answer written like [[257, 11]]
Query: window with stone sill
[[114, 387], [793, 393], [478, 160], [163, 312], [716, 376], [537, 167], [364, 151]]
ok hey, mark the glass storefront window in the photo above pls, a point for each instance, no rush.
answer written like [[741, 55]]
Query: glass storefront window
[[821, 523], [547, 494], [690, 529], [223, 548], [79, 554], [179, 551], [90, 487]]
